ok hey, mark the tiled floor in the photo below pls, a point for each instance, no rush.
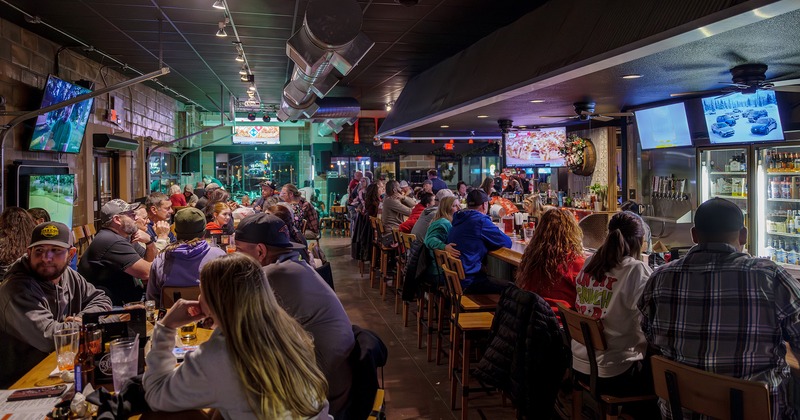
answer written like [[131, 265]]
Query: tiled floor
[[415, 388]]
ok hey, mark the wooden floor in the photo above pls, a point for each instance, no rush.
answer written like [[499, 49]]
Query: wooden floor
[[415, 388]]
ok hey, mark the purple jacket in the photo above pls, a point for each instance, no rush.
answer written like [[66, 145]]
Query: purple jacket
[[179, 267]]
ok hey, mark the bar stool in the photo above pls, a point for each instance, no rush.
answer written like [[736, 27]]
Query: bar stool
[[375, 255], [467, 327], [404, 241], [386, 254]]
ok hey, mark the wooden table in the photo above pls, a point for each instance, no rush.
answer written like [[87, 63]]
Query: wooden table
[[40, 376]]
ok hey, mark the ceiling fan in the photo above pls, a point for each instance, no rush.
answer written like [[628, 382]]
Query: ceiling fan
[[584, 111], [747, 78]]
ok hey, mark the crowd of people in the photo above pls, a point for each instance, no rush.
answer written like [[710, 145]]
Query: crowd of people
[[282, 342], [717, 308]]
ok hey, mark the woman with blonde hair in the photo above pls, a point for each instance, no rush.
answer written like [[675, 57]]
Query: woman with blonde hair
[[258, 364], [436, 236], [176, 196], [16, 227], [553, 258]]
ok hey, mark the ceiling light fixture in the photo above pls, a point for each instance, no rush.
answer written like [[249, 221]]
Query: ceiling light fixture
[[243, 78], [483, 116], [537, 101], [252, 87], [444, 126], [251, 116], [266, 118], [240, 57], [389, 106], [219, 4], [221, 31], [243, 71], [631, 76]]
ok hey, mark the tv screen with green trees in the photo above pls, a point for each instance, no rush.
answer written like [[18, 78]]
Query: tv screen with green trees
[[54, 193]]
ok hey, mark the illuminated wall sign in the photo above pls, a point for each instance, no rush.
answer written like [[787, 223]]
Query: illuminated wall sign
[[254, 134]]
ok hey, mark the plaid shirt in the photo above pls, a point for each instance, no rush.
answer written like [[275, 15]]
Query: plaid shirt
[[723, 311]]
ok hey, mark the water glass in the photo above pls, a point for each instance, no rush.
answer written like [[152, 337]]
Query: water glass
[[66, 341], [124, 360], [528, 234], [150, 310], [188, 333]]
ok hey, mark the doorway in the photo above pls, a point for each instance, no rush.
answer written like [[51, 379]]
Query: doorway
[[106, 172]]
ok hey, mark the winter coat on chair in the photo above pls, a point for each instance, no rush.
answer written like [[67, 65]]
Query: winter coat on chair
[[526, 357]]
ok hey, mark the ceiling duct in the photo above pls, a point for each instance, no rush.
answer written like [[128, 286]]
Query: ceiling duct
[[335, 113], [110, 141], [327, 47]]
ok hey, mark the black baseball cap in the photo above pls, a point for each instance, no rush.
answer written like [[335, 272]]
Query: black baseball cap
[[51, 233], [190, 223], [718, 215], [476, 198], [267, 229], [268, 184]]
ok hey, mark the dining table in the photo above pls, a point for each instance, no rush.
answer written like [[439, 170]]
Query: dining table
[[39, 376]]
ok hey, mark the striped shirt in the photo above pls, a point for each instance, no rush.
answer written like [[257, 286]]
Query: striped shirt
[[723, 311]]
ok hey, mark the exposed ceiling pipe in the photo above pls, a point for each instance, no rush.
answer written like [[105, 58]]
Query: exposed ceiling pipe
[[6, 128], [327, 47]]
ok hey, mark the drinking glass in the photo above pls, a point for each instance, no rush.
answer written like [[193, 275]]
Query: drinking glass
[[508, 224], [66, 341], [188, 333], [95, 341], [150, 309], [124, 360], [528, 234]]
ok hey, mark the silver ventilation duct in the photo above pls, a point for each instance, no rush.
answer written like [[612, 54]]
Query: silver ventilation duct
[[326, 48]]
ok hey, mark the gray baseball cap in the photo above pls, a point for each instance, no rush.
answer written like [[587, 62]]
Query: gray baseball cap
[[115, 207]]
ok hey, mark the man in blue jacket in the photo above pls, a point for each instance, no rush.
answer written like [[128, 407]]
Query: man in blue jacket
[[475, 235], [438, 184]]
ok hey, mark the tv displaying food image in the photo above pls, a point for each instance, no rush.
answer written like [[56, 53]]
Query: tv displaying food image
[[61, 130], [743, 118], [254, 134], [663, 127], [54, 193], [535, 148]]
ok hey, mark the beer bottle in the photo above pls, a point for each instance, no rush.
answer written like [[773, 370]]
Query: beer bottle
[[84, 362]]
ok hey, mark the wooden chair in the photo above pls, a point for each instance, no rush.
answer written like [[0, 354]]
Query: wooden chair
[[309, 235], [467, 326], [588, 331], [717, 396], [169, 295], [89, 232], [404, 241], [80, 239], [386, 254]]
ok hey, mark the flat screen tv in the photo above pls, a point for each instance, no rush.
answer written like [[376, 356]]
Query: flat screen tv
[[61, 130], [54, 193], [743, 118], [254, 134], [535, 147], [663, 127]]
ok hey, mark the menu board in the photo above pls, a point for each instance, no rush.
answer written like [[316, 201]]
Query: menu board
[[536, 148], [267, 134], [743, 118], [663, 127]]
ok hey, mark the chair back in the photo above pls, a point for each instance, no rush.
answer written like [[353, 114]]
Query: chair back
[[169, 295], [582, 328], [397, 239], [456, 265], [717, 396], [374, 223], [89, 231], [80, 239], [453, 283], [408, 239]]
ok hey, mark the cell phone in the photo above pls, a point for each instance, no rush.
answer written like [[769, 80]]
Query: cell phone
[[35, 393], [180, 352]]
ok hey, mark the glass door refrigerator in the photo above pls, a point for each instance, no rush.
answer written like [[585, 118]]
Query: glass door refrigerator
[[725, 172], [777, 204]]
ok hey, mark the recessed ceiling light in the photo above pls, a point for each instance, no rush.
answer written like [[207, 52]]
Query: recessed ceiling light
[[445, 126], [483, 116], [523, 126], [537, 101], [631, 76]]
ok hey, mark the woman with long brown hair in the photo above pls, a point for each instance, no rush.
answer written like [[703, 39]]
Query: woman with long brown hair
[[258, 364], [553, 258], [16, 227], [488, 185], [609, 288]]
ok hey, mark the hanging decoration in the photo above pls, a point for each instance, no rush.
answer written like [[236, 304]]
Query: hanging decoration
[[579, 155], [356, 140]]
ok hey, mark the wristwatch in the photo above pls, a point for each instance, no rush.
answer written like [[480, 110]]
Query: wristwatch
[[152, 240]]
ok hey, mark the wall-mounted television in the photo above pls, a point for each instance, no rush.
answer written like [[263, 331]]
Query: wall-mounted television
[[743, 118], [61, 130], [54, 193], [255, 134], [663, 127], [535, 147]]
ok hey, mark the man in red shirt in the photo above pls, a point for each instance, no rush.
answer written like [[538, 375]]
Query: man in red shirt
[[354, 182]]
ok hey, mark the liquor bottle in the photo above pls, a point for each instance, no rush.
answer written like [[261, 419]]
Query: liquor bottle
[[733, 164], [742, 163], [84, 362]]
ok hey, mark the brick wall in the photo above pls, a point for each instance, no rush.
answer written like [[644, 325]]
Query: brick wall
[[26, 59]]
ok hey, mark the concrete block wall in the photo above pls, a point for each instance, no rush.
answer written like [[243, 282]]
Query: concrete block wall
[[26, 59], [417, 162]]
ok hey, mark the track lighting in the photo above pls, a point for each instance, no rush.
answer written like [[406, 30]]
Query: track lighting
[[266, 118], [240, 57], [221, 32], [252, 87], [218, 4], [251, 94], [251, 116], [243, 71]]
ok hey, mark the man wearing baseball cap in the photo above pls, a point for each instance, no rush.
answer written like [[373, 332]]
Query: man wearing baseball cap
[[305, 296], [475, 235], [120, 255], [268, 197], [721, 310], [39, 295], [203, 201], [407, 194]]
